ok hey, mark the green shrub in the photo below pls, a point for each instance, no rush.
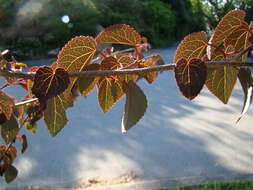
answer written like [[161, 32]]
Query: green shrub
[[41, 21], [160, 22]]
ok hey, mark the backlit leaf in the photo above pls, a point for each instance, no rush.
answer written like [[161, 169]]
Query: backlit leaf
[[239, 38], [109, 92], [231, 21], [86, 84], [48, 83], [109, 63], [135, 106], [10, 173], [245, 79], [55, 114], [9, 130], [125, 60], [119, 34], [221, 81], [151, 61], [192, 46], [190, 77], [8, 155], [6, 104], [76, 54]]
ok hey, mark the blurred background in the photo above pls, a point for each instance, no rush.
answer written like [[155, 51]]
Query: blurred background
[[39, 28]]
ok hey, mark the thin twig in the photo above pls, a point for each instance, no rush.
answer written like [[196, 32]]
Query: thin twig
[[164, 67], [26, 102], [4, 86]]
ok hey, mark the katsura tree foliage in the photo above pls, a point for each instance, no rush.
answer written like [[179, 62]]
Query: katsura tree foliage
[[83, 65]]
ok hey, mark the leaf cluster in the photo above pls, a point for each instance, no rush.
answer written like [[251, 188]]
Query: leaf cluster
[[83, 65]]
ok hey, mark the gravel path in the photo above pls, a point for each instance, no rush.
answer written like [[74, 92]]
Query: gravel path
[[176, 138]]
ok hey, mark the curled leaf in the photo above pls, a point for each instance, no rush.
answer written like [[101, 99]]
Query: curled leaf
[[190, 76], [245, 79], [135, 106]]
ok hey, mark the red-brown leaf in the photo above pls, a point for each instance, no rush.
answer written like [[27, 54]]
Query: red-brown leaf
[[190, 77], [49, 83]]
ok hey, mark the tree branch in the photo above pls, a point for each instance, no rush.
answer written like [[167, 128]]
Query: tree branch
[[165, 67]]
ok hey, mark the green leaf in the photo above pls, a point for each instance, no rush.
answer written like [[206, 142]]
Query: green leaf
[[193, 46], [190, 76], [9, 156], [9, 130], [86, 84], [221, 81], [6, 104], [245, 79], [109, 92], [10, 173], [119, 34], [49, 83], [135, 107], [55, 114]]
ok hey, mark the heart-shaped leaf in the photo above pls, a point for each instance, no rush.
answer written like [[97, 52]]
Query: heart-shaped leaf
[[109, 92], [238, 39], [76, 54], [135, 106], [6, 105], [9, 130], [190, 76], [192, 46], [231, 21], [245, 79], [49, 83], [221, 81], [10, 173], [119, 34], [55, 114]]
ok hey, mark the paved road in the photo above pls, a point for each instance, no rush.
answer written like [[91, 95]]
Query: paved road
[[175, 138]]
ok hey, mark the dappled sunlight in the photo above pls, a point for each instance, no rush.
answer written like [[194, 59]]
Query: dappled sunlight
[[97, 162], [25, 165]]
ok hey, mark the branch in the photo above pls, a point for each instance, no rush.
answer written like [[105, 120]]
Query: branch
[[165, 67]]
